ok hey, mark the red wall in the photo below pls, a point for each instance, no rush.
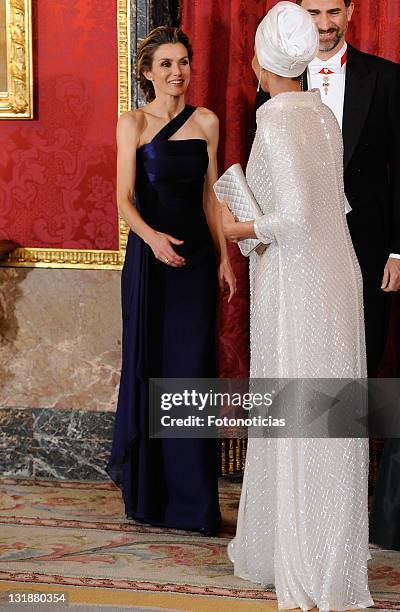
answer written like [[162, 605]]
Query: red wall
[[57, 172]]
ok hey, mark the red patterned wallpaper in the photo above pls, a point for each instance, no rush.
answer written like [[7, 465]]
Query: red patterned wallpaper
[[57, 172]]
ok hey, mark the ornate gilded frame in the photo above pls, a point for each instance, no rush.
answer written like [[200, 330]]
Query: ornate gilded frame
[[92, 259], [16, 94]]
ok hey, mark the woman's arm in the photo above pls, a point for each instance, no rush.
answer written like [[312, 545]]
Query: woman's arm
[[129, 128], [262, 228], [211, 128], [210, 125], [266, 227], [235, 230]]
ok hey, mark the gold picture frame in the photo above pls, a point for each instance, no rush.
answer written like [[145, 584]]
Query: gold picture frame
[[87, 258], [16, 70]]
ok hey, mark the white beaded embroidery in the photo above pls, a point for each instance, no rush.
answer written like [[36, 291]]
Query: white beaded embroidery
[[303, 523]]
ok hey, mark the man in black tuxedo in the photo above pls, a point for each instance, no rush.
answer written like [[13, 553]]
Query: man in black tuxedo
[[363, 91]]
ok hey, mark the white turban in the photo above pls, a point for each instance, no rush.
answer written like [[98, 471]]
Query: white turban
[[287, 40]]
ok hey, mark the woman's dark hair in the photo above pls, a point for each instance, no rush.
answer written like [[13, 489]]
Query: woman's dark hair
[[347, 2], [160, 36]]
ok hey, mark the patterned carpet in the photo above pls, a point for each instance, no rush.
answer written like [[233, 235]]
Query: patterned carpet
[[70, 533]]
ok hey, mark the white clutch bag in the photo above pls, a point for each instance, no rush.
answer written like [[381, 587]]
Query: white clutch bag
[[233, 189]]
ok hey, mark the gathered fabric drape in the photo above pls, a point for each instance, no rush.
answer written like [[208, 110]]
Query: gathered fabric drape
[[222, 33]]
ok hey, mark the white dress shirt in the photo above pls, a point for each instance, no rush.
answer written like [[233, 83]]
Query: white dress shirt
[[330, 78]]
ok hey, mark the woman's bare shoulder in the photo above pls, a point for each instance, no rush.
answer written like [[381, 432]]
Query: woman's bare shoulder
[[133, 120], [131, 126], [208, 123], [206, 117]]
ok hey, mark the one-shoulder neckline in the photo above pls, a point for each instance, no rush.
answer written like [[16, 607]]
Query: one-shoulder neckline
[[166, 133], [151, 142]]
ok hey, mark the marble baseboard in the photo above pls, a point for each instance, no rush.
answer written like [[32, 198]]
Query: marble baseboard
[[51, 443], [16, 456]]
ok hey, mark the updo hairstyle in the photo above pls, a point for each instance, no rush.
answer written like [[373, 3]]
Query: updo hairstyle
[[163, 35]]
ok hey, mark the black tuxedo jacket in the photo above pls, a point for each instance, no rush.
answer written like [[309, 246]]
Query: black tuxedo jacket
[[371, 134]]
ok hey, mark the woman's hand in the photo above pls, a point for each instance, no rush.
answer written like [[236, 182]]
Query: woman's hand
[[235, 230], [227, 277], [160, 244]]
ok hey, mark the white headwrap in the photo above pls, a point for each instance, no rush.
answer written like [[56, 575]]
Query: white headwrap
[[287, 40]]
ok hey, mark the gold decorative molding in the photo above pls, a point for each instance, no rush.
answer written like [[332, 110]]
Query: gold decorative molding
[[124, 91], [124, 73], [16, 102], [232, 453], [88, 259], [65, 258]]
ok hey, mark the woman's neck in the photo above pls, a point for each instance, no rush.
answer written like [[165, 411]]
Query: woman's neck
[[168, 106], [279, 85]]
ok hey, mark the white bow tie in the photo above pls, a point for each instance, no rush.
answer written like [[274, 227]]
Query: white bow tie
[[334, 64], [317, 66]]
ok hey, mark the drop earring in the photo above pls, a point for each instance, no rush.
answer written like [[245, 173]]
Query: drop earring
[[259, 83]]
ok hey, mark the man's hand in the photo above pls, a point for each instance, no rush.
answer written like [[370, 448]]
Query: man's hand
[[391, 275]]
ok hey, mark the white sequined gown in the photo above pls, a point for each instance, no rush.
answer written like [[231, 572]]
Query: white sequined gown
[[303, 523]]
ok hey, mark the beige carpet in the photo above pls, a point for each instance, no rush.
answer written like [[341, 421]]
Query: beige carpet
[[71, 534]]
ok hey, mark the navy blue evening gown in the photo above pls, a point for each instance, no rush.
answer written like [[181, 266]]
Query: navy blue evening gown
[[168, 331]]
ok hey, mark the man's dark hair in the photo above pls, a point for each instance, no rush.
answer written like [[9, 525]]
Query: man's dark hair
[[347, 2]]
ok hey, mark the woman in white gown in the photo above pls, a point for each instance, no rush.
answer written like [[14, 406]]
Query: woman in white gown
[[303, 523]]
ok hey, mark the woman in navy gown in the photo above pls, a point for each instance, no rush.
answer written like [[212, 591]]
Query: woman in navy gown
[[175, 255]]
